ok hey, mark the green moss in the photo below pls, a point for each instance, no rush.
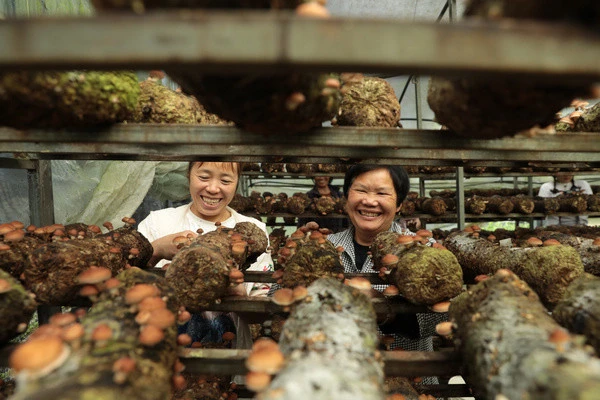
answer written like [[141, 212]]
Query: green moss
[[66, 99], [426, 275]]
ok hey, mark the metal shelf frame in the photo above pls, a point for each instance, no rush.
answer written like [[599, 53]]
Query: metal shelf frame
[[208, 41], [325, 145]]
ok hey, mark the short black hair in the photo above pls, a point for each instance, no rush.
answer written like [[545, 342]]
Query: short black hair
[[397, 173]]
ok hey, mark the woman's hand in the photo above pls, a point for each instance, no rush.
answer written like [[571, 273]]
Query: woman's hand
[[166, 247]]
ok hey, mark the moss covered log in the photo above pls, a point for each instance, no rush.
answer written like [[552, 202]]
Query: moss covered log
[[16, 307], [52, 268], [73, 99], [110, 353], [513, 349], [159, 104], [548, 269], [422, 274], [579, 309], [264, 104], [368, 101], [204, 268], [487, 109], [329, 342], [308, 256]]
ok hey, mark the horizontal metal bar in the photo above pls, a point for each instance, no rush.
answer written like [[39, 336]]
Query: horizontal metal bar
[[397, 363], [14, 163], [334, 145], [280, 42], [264, 305]]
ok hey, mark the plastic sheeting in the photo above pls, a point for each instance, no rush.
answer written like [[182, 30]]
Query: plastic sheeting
[[94, 192]]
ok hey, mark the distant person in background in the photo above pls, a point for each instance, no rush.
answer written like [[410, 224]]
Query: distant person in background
[[323, 187], [564, 185]]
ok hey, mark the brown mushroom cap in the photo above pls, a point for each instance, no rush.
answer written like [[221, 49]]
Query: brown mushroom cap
[[101, 333], [533, 241], [42, 353], [391, 291], [444, 328], [300, 293], [389, 260], [5, 286], [228, 336], [264, 343], [151, 335], [139, 292], [151, 304], [94, 275], [14, 236], [551, 242], [88, 291], [283, 297], [257, 381], [62, 319], [359, 283], [73, 332], [441, 307], [267, 360], [161, 318]]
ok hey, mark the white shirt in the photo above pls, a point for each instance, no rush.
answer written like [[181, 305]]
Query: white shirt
[[172, 220], [555, 189]]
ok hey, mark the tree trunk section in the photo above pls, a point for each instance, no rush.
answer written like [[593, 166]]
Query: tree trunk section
[[16, 307], [548, 270], [330, 342], [88, 372], [579, 310], [512, 348]]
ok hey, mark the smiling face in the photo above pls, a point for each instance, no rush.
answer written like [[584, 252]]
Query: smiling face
[[212, 187], [371, 204]]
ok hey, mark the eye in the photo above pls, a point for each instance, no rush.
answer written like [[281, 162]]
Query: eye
[[226, 182], [203, 177]]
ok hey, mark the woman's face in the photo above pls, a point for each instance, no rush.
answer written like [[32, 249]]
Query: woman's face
[[371, 202], [322, 181], [564, 178], [212, 187]]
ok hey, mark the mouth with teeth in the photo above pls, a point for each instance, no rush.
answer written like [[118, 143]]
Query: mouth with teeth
[[370, 214], [209, 201]]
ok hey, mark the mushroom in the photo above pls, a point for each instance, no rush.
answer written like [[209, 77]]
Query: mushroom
[[257, 381], [441, 307], [551, 242], [283, 297], [122, 368], [39, 356], [161, 318], [391, 291], [264, 343], [269, 361], [5, 286], [101, 334], [72, 332], [151, 304], [299, 293], [533, 241], [62, 319], [444, 328], [94, 275], [139, 292], [151, 335], [184, 339]]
